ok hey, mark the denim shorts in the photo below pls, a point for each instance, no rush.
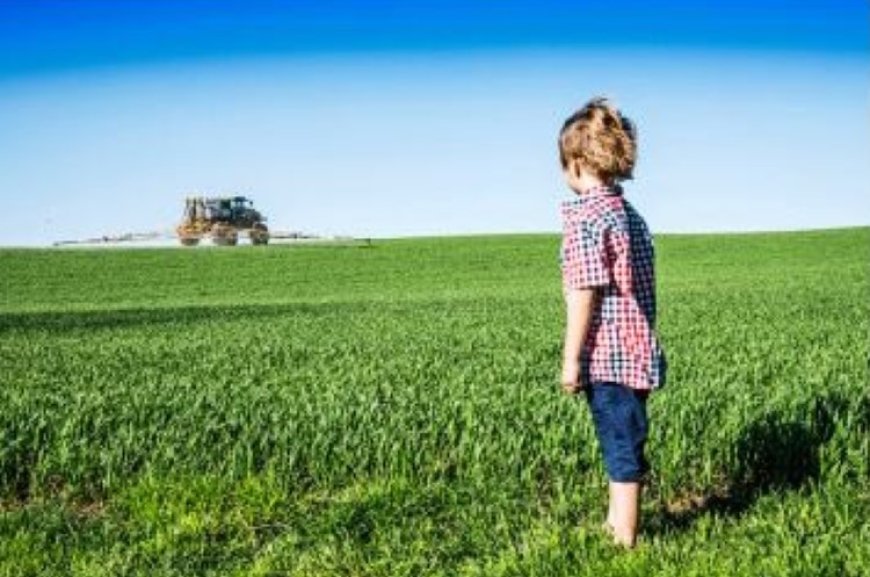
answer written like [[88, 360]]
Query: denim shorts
[[619, 414]]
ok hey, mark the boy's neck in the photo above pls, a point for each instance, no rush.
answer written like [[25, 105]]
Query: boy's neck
[[587, 183]]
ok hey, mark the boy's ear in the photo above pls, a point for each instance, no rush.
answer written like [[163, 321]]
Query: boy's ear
[[575, 168]]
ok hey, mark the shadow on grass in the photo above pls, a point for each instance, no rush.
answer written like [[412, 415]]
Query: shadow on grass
[[61, 322], [780, 451], [122, 318], [85, 320]]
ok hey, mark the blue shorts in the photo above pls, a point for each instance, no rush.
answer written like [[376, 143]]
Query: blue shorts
[[619, 414]]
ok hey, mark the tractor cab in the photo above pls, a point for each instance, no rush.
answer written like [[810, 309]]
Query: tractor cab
[[241, 203]]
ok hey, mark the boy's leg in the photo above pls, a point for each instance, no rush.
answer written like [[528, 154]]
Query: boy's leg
[[624, 514], [612, 513], [621, 423]]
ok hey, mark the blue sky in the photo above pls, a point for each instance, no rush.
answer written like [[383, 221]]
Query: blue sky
[[396, 118]]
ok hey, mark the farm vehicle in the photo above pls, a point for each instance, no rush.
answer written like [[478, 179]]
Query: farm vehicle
[[222, 219]]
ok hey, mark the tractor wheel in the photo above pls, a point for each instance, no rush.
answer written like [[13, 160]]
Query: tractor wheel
[[189, 240], [259, 235]]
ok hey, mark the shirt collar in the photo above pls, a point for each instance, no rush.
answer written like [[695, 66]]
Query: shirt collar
[[591, 193]]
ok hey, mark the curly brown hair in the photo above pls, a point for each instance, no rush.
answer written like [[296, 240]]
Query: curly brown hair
[[601, 139]]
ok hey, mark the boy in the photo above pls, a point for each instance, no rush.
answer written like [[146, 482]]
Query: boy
[[611, 351]]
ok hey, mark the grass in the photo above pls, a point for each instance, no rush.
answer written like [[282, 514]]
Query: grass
[[393, 410]]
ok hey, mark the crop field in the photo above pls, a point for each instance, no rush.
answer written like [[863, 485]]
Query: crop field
[[394, 410]]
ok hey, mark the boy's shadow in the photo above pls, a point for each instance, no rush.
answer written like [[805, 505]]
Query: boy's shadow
[[777, 452]]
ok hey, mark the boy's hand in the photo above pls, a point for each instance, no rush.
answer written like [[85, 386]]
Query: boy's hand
[[571, 382]]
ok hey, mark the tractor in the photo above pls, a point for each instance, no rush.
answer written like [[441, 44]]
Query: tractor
[[221, 219]]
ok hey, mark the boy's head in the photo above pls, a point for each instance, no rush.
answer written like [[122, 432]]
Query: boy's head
[[600, 141]]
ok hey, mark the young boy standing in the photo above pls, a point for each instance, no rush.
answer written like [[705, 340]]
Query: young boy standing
[[611, 351]]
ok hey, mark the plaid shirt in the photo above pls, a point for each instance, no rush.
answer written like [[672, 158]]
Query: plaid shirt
[[606, 244]]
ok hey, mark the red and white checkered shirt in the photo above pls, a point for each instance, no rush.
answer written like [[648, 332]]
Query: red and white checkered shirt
[[607, 245]]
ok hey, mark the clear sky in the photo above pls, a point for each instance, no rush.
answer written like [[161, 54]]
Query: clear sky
[[403, 118]]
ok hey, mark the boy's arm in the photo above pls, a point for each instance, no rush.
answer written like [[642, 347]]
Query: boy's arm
[[579, 304]]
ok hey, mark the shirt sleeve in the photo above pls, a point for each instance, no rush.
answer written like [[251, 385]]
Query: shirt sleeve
[[585, 261]]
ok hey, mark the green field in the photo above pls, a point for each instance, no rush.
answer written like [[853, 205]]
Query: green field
[[393, 410]]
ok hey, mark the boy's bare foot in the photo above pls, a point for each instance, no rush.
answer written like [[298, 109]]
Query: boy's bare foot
[[624, 541]]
